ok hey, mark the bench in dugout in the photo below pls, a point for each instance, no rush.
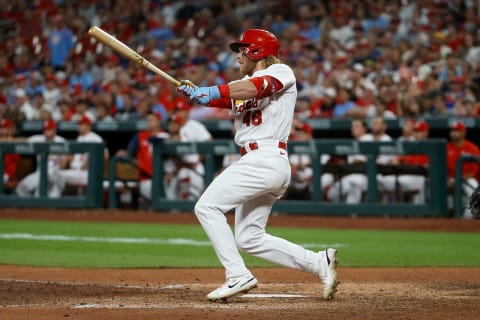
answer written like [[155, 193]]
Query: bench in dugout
[[124, 173], [398, 195], [123, 183]]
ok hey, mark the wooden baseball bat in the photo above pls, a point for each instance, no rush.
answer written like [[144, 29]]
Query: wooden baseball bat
[[112, 42]]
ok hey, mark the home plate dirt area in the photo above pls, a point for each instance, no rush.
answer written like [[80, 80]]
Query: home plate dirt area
[[364, 293]]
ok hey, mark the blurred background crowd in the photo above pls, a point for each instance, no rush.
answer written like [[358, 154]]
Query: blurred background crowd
[[397, 58]]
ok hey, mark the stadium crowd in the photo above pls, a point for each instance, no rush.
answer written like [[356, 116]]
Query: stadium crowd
[[352, 59]]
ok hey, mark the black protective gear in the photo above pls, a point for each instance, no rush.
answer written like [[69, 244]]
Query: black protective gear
[[474, 203]]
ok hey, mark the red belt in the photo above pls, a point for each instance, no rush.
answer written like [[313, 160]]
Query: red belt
[[254, 146]]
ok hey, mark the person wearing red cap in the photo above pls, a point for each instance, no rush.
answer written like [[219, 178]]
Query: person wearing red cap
[[29, 185], [184, 175], [457, 146], [300, 186], [189, 170], [10, 160], [75, 168]]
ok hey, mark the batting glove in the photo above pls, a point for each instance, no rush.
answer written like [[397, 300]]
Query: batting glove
[[186, 88], [203, 95]]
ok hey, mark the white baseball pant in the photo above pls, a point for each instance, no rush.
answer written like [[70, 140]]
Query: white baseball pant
[[350, 188], [30, 185], [250, 186]]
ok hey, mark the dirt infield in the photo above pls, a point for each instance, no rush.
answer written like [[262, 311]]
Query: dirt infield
[[364, 293]]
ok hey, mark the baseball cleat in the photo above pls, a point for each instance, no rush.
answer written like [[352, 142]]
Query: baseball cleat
[[327, 271], [232, 287]]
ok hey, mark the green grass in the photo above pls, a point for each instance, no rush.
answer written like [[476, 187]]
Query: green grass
[[357, 248]]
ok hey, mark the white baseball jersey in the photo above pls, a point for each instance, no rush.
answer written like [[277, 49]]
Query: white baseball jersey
[[79, 159], [193, 130], [30, 184], [269, 118], [304, 173], [54, 160]]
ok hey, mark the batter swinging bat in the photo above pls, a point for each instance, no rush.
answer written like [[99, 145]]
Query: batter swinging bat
[[112, 42]]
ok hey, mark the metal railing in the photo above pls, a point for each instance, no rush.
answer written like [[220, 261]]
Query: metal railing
[[434, 148], [93, 197]]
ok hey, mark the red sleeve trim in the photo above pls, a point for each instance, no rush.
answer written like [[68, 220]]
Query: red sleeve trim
[[266, 86], [224, 90], [224, 103]]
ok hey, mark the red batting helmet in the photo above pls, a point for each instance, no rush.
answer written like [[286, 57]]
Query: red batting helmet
[[260, 44]]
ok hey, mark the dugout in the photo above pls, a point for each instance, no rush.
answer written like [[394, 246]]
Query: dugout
[[117, 134]]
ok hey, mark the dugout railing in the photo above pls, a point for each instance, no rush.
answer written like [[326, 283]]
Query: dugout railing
[[91, 198], [213, 151], [436, 205]]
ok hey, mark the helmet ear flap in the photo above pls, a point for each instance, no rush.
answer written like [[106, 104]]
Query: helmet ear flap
[[254, 52]]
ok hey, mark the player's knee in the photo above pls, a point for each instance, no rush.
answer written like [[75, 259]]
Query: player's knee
[[247, 242], [200, 209], [203, 210]]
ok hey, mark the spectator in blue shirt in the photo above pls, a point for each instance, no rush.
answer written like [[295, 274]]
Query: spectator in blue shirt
[[80, 76], [60, 43], [344, 103]]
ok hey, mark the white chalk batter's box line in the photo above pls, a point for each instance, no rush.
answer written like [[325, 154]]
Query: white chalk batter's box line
[[104, 285], [177, 286], [124, 240], [135, 306]]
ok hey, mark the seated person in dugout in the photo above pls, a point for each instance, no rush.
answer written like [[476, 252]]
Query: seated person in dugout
[[30, 185], [75, 167], [140, 148]]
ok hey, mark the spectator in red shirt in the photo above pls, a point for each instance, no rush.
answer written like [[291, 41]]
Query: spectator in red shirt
[[457, 146], [10, 160], [140, 148], [324, 106]]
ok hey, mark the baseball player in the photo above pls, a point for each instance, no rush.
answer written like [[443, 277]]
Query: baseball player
[[301, 164], [300, 187], [77, 172], [187, 172], [29, 185], [457, 146], [262, 104]]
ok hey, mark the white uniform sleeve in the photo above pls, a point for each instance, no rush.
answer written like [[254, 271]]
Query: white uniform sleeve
[[281, 72]]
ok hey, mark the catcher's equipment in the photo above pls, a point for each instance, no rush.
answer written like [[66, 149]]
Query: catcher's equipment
[[259, 43], [474, 203]]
